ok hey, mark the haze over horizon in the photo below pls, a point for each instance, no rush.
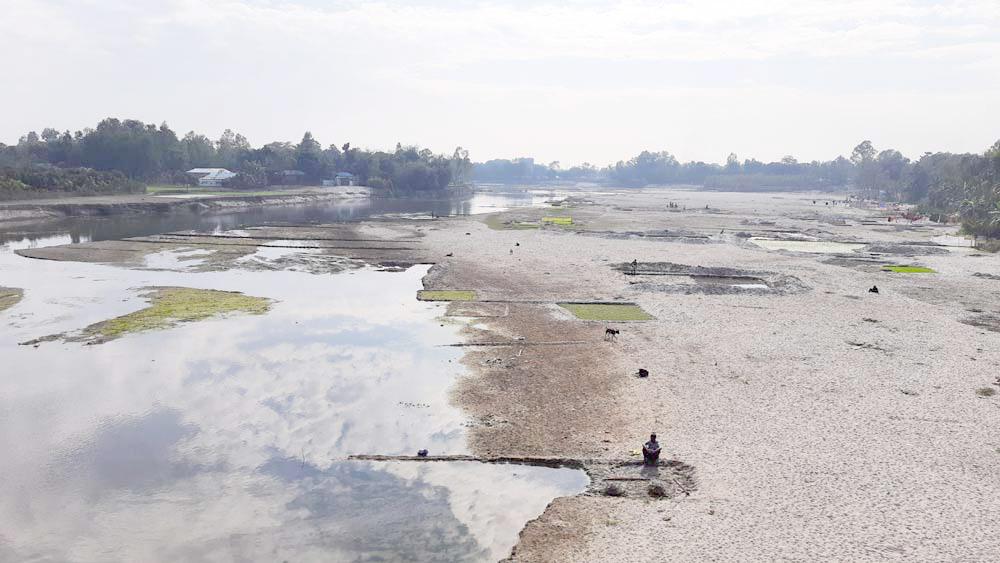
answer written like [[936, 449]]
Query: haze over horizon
[[589, 81]]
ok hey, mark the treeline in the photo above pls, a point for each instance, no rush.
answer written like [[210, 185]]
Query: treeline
[[150, 153], [661, 168], [42, 181], [962, 185]]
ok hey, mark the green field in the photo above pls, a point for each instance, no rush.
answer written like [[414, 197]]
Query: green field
[[607, 311], [446, 295], [908, 269]]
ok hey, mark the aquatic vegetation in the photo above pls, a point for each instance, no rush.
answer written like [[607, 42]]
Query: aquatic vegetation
[[446, 295], [607, 311], [900, 269], [169, 306], [9, 296]]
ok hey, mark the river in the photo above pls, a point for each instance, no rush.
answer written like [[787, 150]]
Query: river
[[226, 439]]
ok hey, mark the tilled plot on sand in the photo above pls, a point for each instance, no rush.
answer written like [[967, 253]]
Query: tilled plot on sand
[[669, 277]]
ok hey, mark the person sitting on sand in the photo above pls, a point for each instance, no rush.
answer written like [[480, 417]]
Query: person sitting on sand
[[651, 451]]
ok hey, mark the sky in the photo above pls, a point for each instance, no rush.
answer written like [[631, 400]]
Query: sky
[[586, 81]]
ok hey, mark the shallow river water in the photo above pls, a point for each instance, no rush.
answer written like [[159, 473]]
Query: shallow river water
[[225, 439]]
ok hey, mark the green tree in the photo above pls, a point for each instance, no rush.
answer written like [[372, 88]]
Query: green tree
[[309, 157], [865, 170]]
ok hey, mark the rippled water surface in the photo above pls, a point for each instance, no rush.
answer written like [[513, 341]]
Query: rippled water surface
[[226, 439]]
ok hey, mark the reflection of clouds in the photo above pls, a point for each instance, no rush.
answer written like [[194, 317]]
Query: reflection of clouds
[[158, 437], [494, 501], [129, 452]]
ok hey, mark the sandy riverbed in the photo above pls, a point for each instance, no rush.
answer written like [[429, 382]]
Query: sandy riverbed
[[829, 423], [821, 421]]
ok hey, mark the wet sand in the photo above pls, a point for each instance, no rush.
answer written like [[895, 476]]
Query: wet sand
[[821, 421]]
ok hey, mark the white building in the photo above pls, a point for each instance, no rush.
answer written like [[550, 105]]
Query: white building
[[211, 177]]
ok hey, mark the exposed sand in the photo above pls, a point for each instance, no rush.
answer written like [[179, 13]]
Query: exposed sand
[[823, 422]]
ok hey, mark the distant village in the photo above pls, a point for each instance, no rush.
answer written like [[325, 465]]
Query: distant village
[[220, 177]]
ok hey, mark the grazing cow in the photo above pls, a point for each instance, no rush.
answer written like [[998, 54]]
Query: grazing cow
[[643, 372], [611, 333], [422, 453]]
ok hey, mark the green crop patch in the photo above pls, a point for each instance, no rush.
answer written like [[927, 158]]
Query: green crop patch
[[908, 269], [607, 311], [446, 295], [561, 221]]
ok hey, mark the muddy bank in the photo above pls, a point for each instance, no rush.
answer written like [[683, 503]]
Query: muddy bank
[[9, 296], [27, 212], [314, 248]]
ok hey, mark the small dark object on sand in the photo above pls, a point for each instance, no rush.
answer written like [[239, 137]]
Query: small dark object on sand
[[656, 491], [614, 491], [422, 453], [468, 233], [874, 289], [611, 333], [643, 372], [517, 244], [450, 254]]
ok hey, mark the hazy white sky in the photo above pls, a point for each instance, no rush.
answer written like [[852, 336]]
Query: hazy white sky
[[593, 81]]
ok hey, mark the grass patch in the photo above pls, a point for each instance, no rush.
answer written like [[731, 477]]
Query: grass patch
[[561, 221], [9, 296], [446, 295], [172, 305], [908, 269], [607, 311]]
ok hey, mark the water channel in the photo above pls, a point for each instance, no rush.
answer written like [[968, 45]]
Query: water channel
[[225, 439]]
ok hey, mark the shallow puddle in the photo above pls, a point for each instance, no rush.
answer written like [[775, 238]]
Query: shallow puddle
[[818, 247], [226, 439]]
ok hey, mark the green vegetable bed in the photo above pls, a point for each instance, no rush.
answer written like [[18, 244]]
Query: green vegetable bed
[[607, 311], [908, 269]]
